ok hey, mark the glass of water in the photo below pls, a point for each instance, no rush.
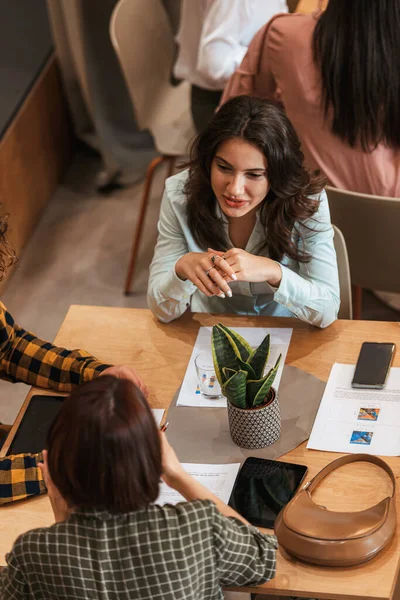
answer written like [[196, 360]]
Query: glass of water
[[206, 377]]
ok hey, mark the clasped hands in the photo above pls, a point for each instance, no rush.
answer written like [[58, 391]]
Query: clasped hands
[[211, 271]]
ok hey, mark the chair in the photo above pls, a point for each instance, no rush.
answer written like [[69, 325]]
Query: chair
[[143, 41], [370, 225], [346, 309]]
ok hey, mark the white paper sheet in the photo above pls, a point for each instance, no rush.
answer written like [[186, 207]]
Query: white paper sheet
[[354, 420], [280, 339], [158, 414], [219, 479]]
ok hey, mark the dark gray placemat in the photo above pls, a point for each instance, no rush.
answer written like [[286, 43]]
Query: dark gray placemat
[[201, 435]]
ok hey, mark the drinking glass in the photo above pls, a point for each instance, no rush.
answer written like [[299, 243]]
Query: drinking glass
[[207, 379]]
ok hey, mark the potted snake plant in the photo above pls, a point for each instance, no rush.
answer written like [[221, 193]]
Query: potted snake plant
[[253, 407]]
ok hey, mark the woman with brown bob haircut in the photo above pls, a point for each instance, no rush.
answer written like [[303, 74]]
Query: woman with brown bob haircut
[[102, 470], [246, 228]]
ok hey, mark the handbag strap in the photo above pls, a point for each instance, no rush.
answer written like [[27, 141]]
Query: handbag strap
[[344, 460]]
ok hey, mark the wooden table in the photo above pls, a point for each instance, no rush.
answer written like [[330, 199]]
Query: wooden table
[[161, 354]]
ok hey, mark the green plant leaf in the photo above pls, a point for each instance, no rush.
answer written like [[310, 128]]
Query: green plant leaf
[[253, 386], [248, 369], [268, 381], [235, 389], [224, 352], [259, 357], [228, 373], [244, 347]]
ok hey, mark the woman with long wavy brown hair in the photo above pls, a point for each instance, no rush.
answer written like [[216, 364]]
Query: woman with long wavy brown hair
[[246, 228]]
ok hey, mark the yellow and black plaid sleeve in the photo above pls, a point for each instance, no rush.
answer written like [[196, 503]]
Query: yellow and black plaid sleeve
[[28, 359], [20, 477]]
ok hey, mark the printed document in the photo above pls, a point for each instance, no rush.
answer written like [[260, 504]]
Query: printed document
[[190, 394], [219, 479], [358, 420]]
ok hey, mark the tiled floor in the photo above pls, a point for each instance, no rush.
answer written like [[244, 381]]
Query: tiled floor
[[79, 254]]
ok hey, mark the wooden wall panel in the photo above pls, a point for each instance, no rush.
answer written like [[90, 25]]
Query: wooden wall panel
[[34, 154]]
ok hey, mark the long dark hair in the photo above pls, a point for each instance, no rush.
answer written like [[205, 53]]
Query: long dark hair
[[356, 46], [104, 447], [264, 125]]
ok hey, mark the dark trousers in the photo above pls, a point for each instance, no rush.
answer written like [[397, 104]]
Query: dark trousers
[[203, 105]]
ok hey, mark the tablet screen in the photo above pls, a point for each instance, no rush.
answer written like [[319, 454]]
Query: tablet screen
[[32, 432], [262, 489]]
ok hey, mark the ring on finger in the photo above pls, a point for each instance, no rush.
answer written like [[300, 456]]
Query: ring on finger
[[208, 270], [214, 256]]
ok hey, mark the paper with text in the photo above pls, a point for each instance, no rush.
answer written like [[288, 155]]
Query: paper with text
[[354, 420], [219, 479], [190, 395]]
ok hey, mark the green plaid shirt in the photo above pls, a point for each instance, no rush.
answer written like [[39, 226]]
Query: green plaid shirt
[[182, 552], [26, 358]]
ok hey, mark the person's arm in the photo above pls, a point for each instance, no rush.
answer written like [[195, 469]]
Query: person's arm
[[313, 294], [222, 44], [254, 76], [13, 585], [177, 478], [20, 477], [168, 296], [220, 49], [244, 554], [28, 359]]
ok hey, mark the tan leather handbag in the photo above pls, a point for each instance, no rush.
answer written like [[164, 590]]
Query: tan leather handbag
[[337, 539]]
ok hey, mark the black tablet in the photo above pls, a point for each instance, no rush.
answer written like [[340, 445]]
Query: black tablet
[[32, 432], [263, 487]]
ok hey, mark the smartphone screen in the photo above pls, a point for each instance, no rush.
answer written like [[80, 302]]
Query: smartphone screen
[[373, 365], [263, 487]]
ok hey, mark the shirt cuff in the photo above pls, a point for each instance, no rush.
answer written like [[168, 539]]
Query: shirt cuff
[[172, 287], [290, 293]]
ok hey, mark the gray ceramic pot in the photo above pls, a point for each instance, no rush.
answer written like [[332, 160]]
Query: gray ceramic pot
[[255, 427]]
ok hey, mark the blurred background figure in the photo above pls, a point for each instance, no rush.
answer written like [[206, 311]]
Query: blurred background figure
[[98, 99], [213, 38], [336, 73]]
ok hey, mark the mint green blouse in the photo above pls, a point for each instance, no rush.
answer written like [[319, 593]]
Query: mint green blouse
[[309, 291]]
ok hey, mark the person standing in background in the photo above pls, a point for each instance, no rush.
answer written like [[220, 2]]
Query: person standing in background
[[213, 38]]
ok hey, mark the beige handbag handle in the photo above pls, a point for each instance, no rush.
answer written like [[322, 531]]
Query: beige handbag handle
[[344, 460]]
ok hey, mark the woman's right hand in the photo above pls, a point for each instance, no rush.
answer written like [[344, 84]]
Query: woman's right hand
[[210, 277], [177, 478]]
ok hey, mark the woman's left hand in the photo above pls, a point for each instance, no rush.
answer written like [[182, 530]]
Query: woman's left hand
[[251, 268]]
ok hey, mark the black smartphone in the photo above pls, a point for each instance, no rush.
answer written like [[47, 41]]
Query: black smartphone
[[373, 365], [263, 487]]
